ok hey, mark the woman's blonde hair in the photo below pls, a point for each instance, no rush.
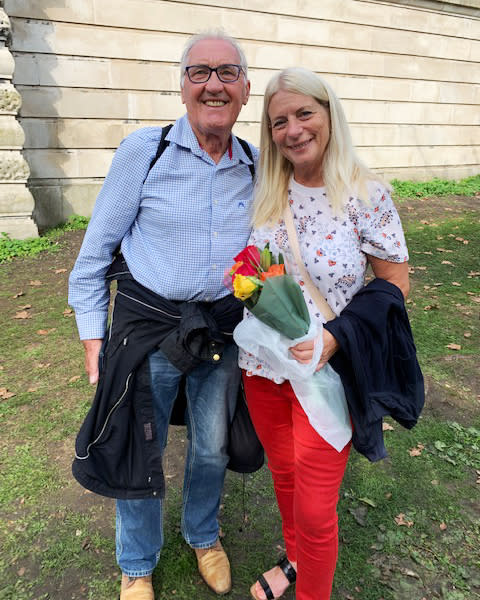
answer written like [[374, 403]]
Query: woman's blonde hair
[[343, 172]]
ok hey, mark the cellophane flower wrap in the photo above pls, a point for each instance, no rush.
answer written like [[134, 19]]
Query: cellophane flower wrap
[[282, 321], [275, 298]]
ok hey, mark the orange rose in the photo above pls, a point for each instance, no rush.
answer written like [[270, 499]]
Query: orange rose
[[273, 271]]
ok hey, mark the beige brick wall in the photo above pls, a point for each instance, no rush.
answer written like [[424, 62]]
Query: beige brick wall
[[90, 72]]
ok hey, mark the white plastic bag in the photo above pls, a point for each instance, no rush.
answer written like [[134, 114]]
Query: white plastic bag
[[320, 393]]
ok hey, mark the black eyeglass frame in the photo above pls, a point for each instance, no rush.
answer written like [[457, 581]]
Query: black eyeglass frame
[[212, 69]]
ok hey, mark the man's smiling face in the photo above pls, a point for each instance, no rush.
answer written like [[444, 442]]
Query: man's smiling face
[[213, 106]]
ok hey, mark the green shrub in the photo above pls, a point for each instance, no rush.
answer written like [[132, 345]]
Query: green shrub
[[436, 187], [10, 248]]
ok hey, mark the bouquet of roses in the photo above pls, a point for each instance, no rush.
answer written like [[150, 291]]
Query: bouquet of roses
[[260, 281], [282, 321]]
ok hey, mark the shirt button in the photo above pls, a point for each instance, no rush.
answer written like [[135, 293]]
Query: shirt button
[[207, 299], [214, 267], [215, 201], [215, 233]]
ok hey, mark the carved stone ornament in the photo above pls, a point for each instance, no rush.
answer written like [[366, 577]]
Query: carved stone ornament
[[4, 26], [10, 99], [13, 167]]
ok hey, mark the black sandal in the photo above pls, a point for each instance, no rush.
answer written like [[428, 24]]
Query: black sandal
[[289, 573]]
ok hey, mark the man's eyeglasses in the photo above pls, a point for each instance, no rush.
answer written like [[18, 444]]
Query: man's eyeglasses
[[202, 73]]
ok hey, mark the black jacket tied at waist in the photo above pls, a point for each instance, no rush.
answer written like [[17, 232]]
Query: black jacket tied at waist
[[377, 364], [116, 451]]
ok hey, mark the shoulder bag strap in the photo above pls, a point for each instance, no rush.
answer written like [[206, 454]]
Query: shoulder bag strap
[[315, 294]]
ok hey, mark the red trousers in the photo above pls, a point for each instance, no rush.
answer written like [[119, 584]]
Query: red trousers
[[307, 473]]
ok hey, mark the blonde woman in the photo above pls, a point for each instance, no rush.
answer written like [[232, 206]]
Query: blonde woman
[[344, 219]]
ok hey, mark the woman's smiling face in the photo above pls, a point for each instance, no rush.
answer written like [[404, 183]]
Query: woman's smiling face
[[300, 128]]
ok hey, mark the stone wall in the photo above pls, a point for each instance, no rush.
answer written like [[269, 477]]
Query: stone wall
[[91, 71]]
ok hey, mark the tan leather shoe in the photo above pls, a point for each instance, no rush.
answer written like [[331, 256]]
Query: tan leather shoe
[[136, 588], [214, 568]]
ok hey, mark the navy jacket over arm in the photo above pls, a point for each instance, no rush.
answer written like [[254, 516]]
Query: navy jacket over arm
[[377, 363], [116, 451]]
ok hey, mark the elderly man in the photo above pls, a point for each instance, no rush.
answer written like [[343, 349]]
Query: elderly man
[[178, 218]]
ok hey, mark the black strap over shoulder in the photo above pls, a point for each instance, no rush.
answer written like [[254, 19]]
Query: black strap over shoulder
[[161, 147], [164, 143], [248, 151]]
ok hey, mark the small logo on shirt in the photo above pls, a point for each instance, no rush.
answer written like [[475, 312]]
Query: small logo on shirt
[[241, 205]]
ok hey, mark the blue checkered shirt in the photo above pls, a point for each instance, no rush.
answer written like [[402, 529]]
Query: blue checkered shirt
[[179, 228]]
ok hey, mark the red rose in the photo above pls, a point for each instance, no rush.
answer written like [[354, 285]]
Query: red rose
[[250, 257]]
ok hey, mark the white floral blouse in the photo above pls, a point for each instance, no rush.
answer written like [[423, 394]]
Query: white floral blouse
[[334, 248]]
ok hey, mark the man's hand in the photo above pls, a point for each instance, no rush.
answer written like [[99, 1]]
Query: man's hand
[[92, 351], [303, 352]]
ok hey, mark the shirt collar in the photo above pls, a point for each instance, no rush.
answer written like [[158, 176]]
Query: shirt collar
[[182, 134]]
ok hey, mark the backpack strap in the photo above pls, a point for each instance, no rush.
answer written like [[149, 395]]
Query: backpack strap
[[248, 151], [161, 147]]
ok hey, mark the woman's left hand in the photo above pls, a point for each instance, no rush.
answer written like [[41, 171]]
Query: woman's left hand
[[303, 352]]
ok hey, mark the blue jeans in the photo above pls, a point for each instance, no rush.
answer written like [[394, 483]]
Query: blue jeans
[[211, 397]]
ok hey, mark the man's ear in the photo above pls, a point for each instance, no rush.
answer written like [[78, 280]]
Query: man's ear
[[247, 92], [181, 95]]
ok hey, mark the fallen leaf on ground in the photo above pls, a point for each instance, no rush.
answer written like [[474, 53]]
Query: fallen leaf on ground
[[68, 312], [86, 543], [476, 299], [467, 334], [35, 282], [416, 451], [18, 294], [359, 514], [368, 501], [74, 378], [46, 331], [25, 307], [5, 394], [21, 571], [32, 389], [41, 365], [22, 315], [58, 271], [421, 268], [446, 262], [443, 526], [456, 283], [409, 573], [400, 520], [387, 427], [454, 346]]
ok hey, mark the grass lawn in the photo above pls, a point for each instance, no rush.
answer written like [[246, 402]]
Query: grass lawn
[[409, 526]]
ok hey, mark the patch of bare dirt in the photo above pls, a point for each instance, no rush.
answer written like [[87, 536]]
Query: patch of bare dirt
[[436, 207]]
